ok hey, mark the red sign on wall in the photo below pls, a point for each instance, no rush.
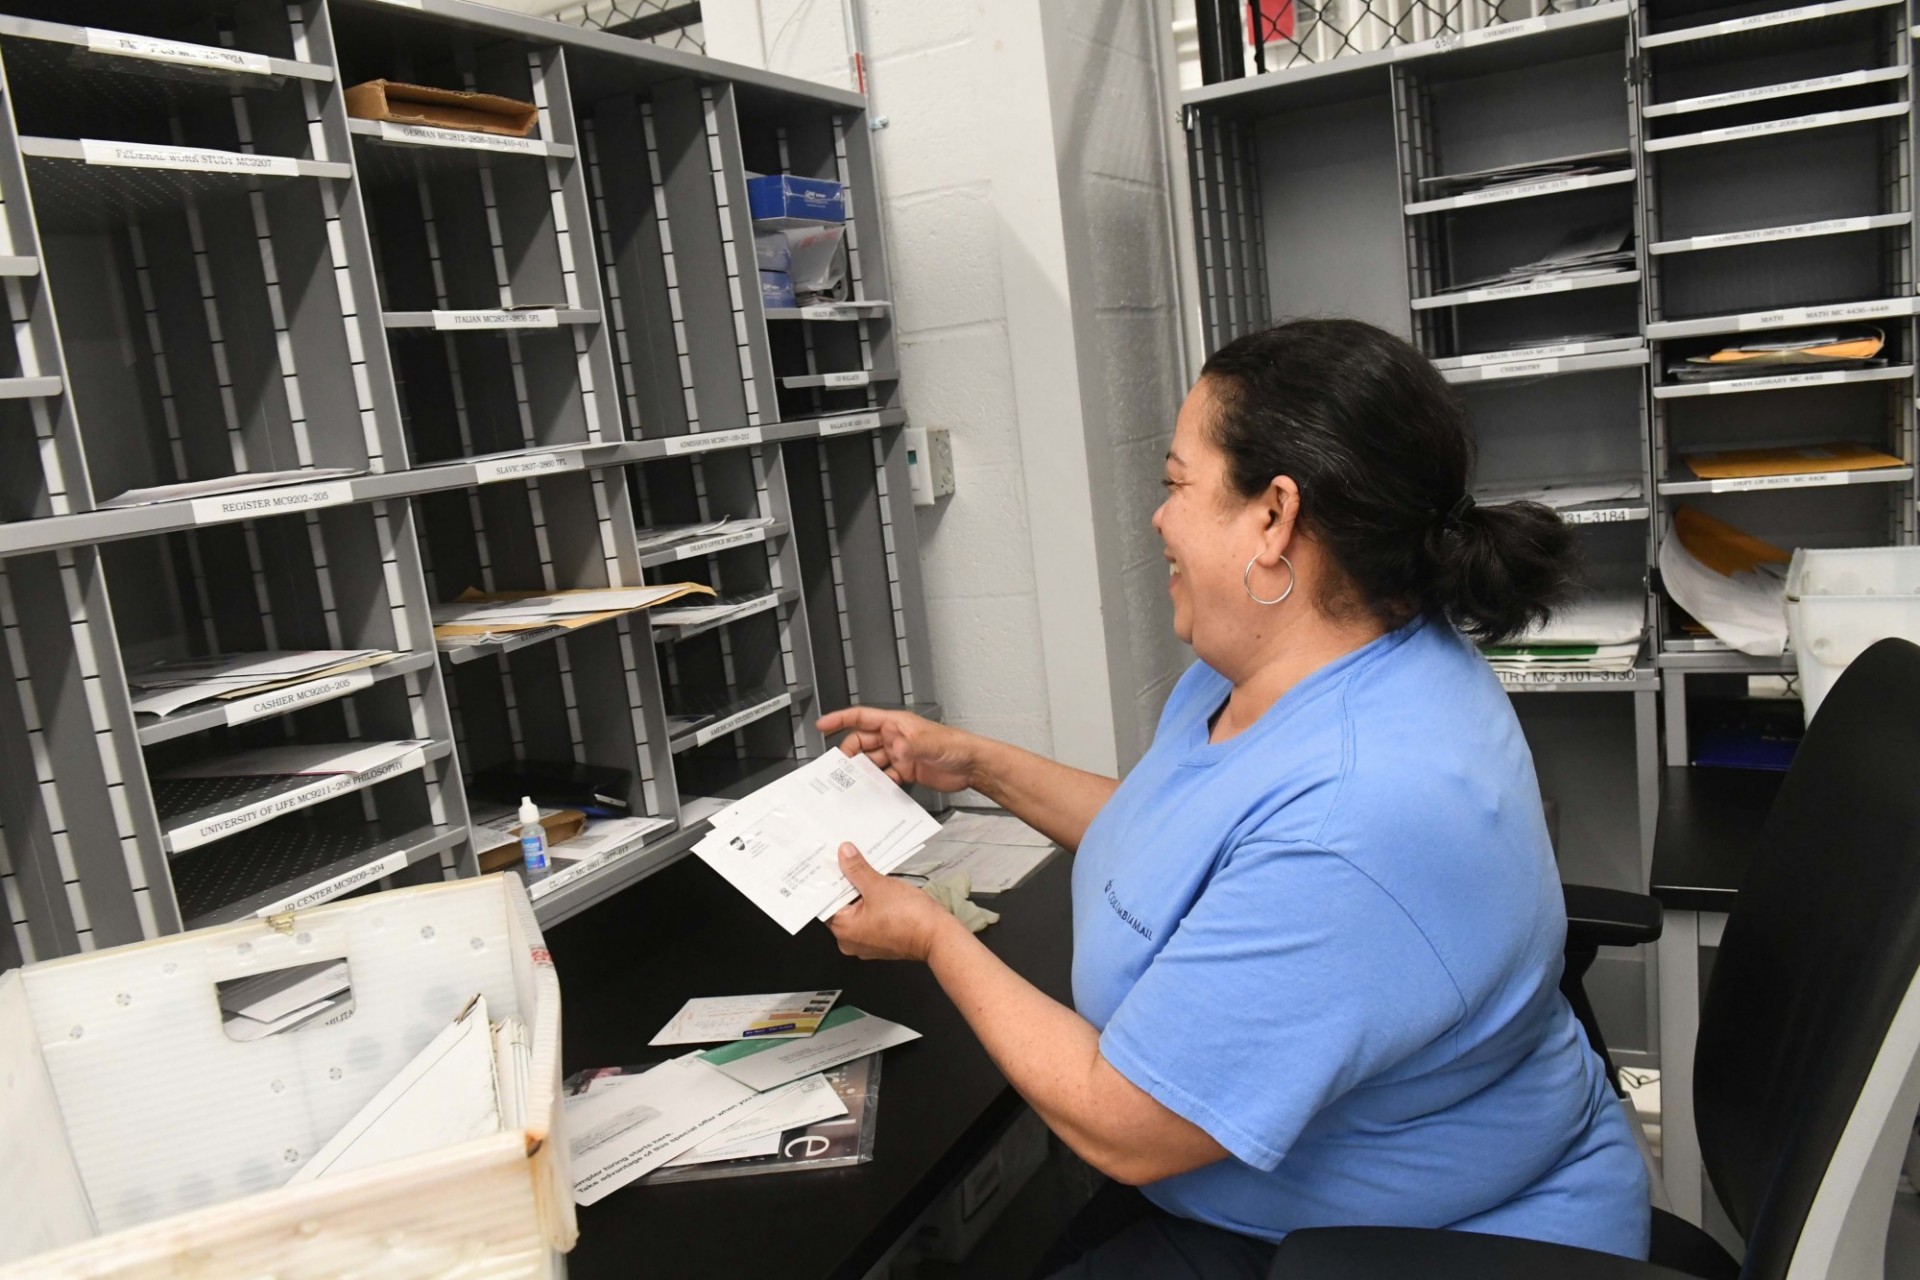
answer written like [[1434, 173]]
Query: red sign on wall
[[1269, 20]]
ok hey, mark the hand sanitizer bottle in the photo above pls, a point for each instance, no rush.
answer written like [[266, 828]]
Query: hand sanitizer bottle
[[533, 837]]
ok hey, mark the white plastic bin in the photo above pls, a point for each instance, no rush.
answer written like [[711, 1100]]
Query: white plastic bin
[[136, 1139], [1840, 602]]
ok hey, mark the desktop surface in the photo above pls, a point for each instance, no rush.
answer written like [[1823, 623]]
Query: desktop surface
[[628, 964]]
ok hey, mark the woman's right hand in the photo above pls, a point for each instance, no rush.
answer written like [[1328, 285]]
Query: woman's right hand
[[911, 749]]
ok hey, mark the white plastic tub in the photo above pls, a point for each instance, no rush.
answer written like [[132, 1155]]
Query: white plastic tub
[[1840, 602], [136, 1139]]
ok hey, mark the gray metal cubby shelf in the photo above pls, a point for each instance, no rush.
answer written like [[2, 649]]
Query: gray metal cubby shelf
[[499, 357], [1762, 156]]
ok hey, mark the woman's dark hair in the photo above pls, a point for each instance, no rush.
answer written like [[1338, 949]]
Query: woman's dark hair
[[1380, 447]]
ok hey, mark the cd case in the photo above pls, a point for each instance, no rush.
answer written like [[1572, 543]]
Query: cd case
[[825, 1144]]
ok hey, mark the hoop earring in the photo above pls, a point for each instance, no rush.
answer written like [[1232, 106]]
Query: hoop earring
[[1246, 580]]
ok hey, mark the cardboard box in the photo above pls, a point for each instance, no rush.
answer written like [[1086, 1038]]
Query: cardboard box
[[441, 108], [782, 197], [776, 289], [137, 1140], [496, 838]]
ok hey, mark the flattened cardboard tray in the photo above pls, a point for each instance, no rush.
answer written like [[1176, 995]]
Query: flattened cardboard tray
[[441, 108]]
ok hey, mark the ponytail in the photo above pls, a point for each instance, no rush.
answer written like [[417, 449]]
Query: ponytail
[[1381, 450]]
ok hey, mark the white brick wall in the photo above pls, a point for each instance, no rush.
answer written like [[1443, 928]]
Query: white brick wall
[[1024, 184]]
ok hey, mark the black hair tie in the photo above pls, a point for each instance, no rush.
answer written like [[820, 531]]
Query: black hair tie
[[1456, 516]]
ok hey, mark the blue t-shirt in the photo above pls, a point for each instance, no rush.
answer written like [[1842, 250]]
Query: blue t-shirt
[[1334, 943]]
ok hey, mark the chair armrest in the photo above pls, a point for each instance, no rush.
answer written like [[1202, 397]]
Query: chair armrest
[[1387, 1253], [1609, 917]]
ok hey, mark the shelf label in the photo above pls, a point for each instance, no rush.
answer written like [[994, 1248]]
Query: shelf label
[[1773, 18], [720, 542], [1504, 31], [320, 893], [427, 136], [701, 441], [1788, 89], [280, 701], [849, 424], [837, 310], [1524, 289], [1519, 369], [1521, 190], [152, 155], [1794, 480], [1552, 679], [1603, 515], [1518, 354], [127, 45], [181, 839], [1821, 315], [846, 378], [1799, 230], [468, 321], [1787, 124], [270, 502], [720, 728], [532, 464], [1777, 382]]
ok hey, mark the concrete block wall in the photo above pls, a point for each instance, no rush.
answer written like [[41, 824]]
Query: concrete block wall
[[1026, 184]]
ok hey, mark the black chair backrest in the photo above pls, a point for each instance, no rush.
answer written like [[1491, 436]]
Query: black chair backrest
[[1817, 955]]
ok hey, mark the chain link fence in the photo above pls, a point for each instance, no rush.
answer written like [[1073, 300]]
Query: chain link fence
[[674, 24], [1300, 32]]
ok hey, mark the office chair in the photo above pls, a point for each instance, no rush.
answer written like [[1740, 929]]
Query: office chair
[[1807, 1065]]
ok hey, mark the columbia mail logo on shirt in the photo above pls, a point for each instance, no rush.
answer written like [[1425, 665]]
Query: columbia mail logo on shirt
[[1133, 921]]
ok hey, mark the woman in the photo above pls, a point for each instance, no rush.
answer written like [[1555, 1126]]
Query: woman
[[1317, 930]]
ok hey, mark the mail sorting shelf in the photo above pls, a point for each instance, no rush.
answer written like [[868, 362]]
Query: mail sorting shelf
[[845, 359], [41, 461], [741, 692], [1458, 116], [1814, 508], [1303, 181], [491, 308], [105, 843], [1778, 157], [853, 524], [589, 695], [462, 516], [183, 239], [1597, 756]]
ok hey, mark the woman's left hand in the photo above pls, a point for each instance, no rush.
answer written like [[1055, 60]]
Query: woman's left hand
[[891, 921]]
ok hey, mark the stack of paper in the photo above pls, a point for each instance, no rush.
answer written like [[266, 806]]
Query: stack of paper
[[1563, 497], [1596, 634], [241, 483], [995, 850], [1733, 583], [693, 615], [779, 846], [162, 688], [654, 537], [1591, 162], [1849, 346], [604, 842], [479, 617], [285, 999], [786, 1015], [1789, 460], [449, 1093], [1584, 251], [729, 1103]]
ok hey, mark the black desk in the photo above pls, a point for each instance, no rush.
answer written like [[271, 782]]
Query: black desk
[[1709, 826], [628, 964]]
